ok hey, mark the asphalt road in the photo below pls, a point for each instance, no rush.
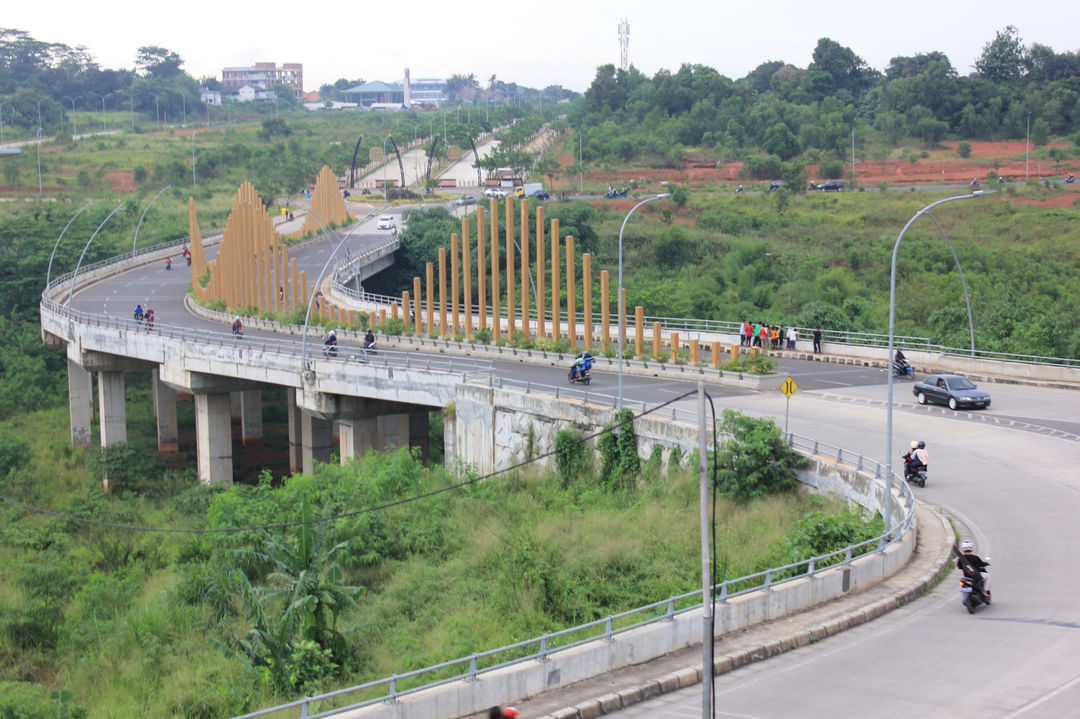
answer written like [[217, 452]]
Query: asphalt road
[[1009, 475]]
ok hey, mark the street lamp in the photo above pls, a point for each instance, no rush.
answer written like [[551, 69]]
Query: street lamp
[[38, 112], [157, 112], [39, 160], [619, 298], [75, 128], [131, 105], [102, 108], [892, 324]]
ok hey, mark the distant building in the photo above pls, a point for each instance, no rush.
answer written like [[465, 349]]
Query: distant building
[[427, 91], [377, 95], [209, 97], [248, 93], [263, 76]]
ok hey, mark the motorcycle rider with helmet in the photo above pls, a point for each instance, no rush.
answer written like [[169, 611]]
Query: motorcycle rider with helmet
[[916, 458], [974, 567]]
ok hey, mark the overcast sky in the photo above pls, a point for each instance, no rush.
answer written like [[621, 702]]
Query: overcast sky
[[534, 43]]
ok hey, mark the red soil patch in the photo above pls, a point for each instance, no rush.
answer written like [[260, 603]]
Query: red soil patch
[[121, 180]]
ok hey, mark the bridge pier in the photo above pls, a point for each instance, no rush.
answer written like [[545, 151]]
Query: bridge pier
[[80, 404], [213, 437], [357, 437], [251, 420], [296, 432], [111, 410], [165, 415], [318, 440]]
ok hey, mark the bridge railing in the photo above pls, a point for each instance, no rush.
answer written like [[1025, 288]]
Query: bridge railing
[[474, 666], [471, 369]]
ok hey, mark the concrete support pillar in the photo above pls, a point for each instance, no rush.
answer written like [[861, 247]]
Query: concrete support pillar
[[449, 438], [251, 421], [168, 439], [358, 436], [236, 406], [80, 404], [393, 431], [213, 438], [296, 432], [318, 441], [112, 417], [420, 432]]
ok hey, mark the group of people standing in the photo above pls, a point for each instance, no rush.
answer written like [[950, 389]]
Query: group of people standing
[[760, 334]]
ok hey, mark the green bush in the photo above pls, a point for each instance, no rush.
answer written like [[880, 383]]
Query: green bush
[[21, 700], [819, 533], [755, 461], [572, 457]]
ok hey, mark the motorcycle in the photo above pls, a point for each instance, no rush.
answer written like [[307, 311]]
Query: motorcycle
[[329, 351], [903, 369], [971, 592], [916, 476], [579, 371]]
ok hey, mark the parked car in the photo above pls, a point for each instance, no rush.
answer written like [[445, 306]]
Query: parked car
[[495, 192], [386, 222], [776, 185], [465, 200], [949, 389], [541, 195], [830, 186]]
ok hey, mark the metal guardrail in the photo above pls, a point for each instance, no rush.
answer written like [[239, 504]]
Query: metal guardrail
[[473, 666], [688, 327], [471, 369]]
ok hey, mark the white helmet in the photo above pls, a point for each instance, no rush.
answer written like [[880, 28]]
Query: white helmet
[[914, 444], [333, 333], [967, 546]]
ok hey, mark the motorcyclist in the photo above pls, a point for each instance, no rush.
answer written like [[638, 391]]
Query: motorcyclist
[[237, 326], [499, 713], [369, 340], [738, 190], [974, 567], [168, 263], [582, 365], [330, 343], [916, 459], [138, 313], [974, 182], [900, 362]]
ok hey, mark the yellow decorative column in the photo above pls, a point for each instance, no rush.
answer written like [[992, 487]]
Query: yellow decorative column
[[639, 329], [541, 275], [466, 272], [656, 337], [404, 303], [556, 313], [605, 306], [511, 269], [454, 269], [430, 276], [442, 291], [694, 351], [571, 297], [481, 267], [674, 346], [526, 329], [586, 282], [717, 354], [496, 310], [417, 312]]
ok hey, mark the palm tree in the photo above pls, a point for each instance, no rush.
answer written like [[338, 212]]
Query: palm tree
[[306, 582]]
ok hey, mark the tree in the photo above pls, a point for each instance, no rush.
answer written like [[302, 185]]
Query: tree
[[1003, 57], [549, 166], [158, 62], [1040, 132], [779, 140], [754, 461]]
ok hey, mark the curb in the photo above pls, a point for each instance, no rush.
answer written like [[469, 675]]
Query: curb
[[940, 558]]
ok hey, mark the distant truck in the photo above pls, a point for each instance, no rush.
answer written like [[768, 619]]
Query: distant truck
[[531, 189]]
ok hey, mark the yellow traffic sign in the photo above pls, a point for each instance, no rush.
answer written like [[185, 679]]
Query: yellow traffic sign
[[789, 387]]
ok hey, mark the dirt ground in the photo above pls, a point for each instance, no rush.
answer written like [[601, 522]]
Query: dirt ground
[[941, 165]]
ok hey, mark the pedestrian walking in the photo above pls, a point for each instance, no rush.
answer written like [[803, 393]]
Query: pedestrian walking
[[817, 340]]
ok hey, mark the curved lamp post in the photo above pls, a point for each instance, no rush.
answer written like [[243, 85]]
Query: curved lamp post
[[75, 128], [38, 145], [322, 274], [48, 270], [75, 274], [102, 108], [131, 106], [892, 324], [384, 139], [619, 299], [143, 215]]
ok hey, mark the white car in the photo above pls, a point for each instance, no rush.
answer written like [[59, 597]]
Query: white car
[[386, 222], [495, 192]]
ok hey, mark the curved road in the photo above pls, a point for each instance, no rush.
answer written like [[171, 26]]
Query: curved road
[[1009, 475]]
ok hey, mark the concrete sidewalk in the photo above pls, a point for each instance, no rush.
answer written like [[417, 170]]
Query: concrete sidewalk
[[611, 692]]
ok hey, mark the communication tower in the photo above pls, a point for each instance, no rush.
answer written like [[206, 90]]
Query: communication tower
[[624, 44]]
